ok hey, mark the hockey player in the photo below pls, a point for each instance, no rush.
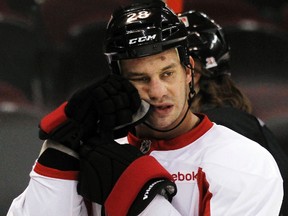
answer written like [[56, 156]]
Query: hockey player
[[176, 162], [217, 95]]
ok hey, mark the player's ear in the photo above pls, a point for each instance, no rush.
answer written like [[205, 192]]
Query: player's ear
[[190, 71], [192, 62]]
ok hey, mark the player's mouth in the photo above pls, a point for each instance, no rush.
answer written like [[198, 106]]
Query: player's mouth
[[162, 109]]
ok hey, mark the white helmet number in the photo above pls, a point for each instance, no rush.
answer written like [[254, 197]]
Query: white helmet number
[[135, 16]]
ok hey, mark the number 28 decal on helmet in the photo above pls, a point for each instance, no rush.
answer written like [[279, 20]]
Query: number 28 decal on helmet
[[135, 16]]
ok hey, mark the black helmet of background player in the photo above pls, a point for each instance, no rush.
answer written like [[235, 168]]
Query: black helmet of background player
[[207, 43], [144, 29]]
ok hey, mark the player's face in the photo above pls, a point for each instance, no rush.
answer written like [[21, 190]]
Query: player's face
[[163, 82]]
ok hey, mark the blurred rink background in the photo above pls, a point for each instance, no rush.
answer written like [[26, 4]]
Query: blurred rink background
[[50, 48]]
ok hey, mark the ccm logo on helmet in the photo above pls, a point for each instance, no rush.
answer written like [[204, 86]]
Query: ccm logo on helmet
[[142, 39]]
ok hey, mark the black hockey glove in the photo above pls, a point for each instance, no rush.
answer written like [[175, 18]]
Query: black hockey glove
[[108, 103], [121, 177]]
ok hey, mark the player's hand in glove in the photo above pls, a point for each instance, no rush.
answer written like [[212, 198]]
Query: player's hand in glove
[[111, 102], [120, 177]]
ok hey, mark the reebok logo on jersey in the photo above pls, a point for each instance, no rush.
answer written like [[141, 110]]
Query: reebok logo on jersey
[[142, 39], [190, 176]]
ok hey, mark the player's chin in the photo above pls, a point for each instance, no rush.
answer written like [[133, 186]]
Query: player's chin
[[159, 123]]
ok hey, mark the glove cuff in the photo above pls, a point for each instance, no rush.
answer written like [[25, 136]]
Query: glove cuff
[[58, 127], [53, 119], [163, 187], [134, 177]]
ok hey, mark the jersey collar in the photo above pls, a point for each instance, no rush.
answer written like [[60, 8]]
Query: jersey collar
[[148, 145]]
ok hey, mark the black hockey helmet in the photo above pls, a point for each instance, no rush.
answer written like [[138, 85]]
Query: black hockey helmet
[[144, 29], [207, 42]]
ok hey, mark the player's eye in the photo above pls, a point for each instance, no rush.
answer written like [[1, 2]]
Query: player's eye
[[167, 74], [139, 79]]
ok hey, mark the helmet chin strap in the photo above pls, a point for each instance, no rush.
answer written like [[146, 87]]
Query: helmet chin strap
[[191, 95]]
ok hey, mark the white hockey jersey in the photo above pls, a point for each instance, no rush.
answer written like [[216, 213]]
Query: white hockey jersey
[[217, 172]]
